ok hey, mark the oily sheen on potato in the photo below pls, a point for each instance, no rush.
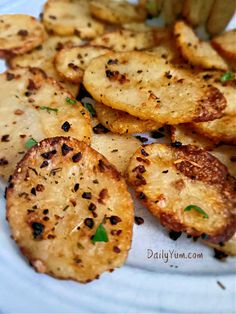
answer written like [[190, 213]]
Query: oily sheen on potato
[[149, 88], [187, 189], [69, 210], [33, 106]]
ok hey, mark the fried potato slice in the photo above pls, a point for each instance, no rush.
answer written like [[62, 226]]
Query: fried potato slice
[[19, 33], [221, 14], [118, 149], [148, 88], [225, 153], [34, 106], [225, 44], [117, 12], [75, 196], [169, 179], [196, 52], [69, 17], [43, 58], [70, 63], [223, 129], [171, 10], [125, 40], [228, 247], [123, 123], [197, 12]]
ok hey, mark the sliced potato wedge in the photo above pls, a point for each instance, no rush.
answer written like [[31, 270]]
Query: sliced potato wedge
[[223, 129], [70, 63], [187, 189], [73, 215], [118, 149], [33, 106], [221, 14], [43, 56], [69, 17], [19, 33], [117, 12], [148, 88], [196, 52], [197, 11], [225, 153], [125, 40], [123, 123], [225, 44]]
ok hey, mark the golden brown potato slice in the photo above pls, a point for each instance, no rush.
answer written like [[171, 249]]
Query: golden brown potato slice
[[148, 88], [221, 14], [121, 122], [172, 10], [33, 106], [223, 129], [19, 33], [43, 56], [73, 215], [197, 11], [70, 63], [69, 17], [228, 247], [187, 189], [225, 153], [118, 149], [117, 12], [225, 44], [125, 40], [196, 52]]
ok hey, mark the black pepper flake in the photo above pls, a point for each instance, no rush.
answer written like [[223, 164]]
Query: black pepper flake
[[5, 138], [219, 254], [142, 196], [114, 220], [165, 171], [112, 61], [89, 223], [92, 207], [38, 229], [10, 76], [100, 129], [87, 195], [49, 155], [23, 32], [138, 220], [66, 126], [176, 144], [141, 139], [44, 164], [116, 249], [3, 162], [144, 153], [77, 157], [45, 211], [33, 191], [65, 149], [45, 218], [76, 187], [139, 169], [174, 235]]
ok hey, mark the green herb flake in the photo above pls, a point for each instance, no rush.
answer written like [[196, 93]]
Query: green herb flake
[[70, 101], [152, 7], [49, 109], [198, 209], [30, 143], [90, 109], [226, 77], [100, 235]]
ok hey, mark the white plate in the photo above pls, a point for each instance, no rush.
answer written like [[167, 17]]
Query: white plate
[[143, 285]]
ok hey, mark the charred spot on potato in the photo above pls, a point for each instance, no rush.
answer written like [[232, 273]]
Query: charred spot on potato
[[66, 126], [38, 229], [65, 149]]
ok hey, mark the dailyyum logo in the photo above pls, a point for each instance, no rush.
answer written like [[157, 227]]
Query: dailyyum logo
[[166, 255]]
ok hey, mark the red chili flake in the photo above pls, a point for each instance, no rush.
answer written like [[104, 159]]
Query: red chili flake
[[89, 223], [87, 195], [49, 155], [77, 157], [138, 220], [44, 164], [114, 220], [5, 138], [10, 76], [23, 33], [39, 188], [65, 149], [18, 112], [66, 126], [116, 249]]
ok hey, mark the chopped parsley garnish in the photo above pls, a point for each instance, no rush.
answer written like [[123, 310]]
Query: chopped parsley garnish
[[30, 143], [226, 77], [48, 109], [70, 101], [152, 6], [198, 209], [90, 109], [100, 235]]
